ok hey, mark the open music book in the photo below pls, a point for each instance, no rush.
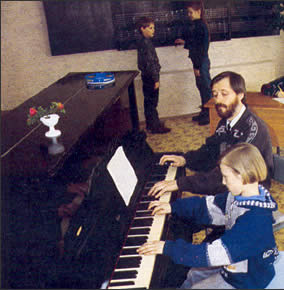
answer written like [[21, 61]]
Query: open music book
[[122, 174]]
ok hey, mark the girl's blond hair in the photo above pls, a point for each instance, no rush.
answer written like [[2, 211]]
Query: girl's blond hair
[[246, 160]]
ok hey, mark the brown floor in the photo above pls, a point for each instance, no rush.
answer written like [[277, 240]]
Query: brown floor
[[187, 135]]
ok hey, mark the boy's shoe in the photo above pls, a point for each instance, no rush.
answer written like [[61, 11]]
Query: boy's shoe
[[204, 121], [159, 130], [196, 118]]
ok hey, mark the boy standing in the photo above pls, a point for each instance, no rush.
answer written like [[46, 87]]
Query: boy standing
[[196, 39], [148, 64]]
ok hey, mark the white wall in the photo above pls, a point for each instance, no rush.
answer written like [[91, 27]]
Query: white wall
[[27, 66]]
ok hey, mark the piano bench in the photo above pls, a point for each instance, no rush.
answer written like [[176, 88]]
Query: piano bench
[[278, 280]]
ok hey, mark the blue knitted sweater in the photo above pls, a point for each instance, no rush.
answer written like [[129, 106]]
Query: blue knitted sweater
[[247, 249]]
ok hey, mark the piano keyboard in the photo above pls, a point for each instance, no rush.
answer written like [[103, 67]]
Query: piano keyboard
[[133, 270]]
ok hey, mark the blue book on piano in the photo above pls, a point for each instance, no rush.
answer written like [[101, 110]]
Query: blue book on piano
[[100, 80]]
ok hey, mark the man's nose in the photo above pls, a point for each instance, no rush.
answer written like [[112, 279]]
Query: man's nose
[[217, 97]]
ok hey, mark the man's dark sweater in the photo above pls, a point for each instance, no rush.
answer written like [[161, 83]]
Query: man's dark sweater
[[208, 180]]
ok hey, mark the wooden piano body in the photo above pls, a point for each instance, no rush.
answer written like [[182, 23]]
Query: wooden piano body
[[101, 241], [33, 181], [33, 184]]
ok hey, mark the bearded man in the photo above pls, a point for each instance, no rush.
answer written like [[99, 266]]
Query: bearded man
[[237, 124]]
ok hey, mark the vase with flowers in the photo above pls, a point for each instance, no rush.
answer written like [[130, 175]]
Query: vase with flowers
[[48, 116]]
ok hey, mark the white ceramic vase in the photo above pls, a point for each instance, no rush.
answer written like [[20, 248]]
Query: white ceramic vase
[[55, 147], [50, 121]]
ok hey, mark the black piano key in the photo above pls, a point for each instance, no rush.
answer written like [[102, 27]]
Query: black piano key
[[143, 213], [131, 262], [160, 169], [149, 185], [135, 241], [146, 197], [129, 251], [125, 283], [156, 177], [147, 222], [156, 161], [145, 192], [143, 205], [124, 275], [144, 231]]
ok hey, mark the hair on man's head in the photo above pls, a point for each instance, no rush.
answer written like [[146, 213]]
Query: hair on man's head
[[237, 82], [196, 5], [144, 22], [246, 160]]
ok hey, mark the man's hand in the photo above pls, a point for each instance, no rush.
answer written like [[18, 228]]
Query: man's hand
[[160, 208], [157, 85], [161, 187], [151, 248], [176, 160], [196, 72]]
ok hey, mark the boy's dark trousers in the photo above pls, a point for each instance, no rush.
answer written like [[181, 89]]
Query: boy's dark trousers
[[203, 82], [151, 98]]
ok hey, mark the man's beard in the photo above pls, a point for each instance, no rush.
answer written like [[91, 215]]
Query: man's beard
[[230, 109]]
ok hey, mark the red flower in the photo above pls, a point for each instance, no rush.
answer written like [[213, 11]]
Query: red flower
[[60, 106], [33, 111]]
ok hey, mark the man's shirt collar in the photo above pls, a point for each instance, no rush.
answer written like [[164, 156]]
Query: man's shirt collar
[[237, 118]]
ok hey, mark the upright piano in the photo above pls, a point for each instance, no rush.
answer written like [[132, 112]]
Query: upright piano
[[101, 241], [33, 181]]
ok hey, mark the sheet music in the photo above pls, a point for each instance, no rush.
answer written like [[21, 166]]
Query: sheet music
[[122, 174]]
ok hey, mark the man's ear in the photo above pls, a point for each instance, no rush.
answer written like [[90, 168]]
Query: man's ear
[[241, 96]]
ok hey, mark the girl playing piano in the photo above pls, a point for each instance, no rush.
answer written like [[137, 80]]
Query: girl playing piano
[[243, 256]]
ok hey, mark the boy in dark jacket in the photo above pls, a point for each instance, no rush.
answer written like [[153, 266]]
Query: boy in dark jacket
[[196, 39], [148, 64]]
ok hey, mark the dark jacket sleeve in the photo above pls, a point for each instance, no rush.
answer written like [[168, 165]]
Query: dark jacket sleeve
[[197, 41], [148, 61], [200, 49], [257, 133], [208, 177], [263, 143], [209, 183], [205, 158]]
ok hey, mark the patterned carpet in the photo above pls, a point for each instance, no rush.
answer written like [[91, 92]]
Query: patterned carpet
[[187, 135]]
